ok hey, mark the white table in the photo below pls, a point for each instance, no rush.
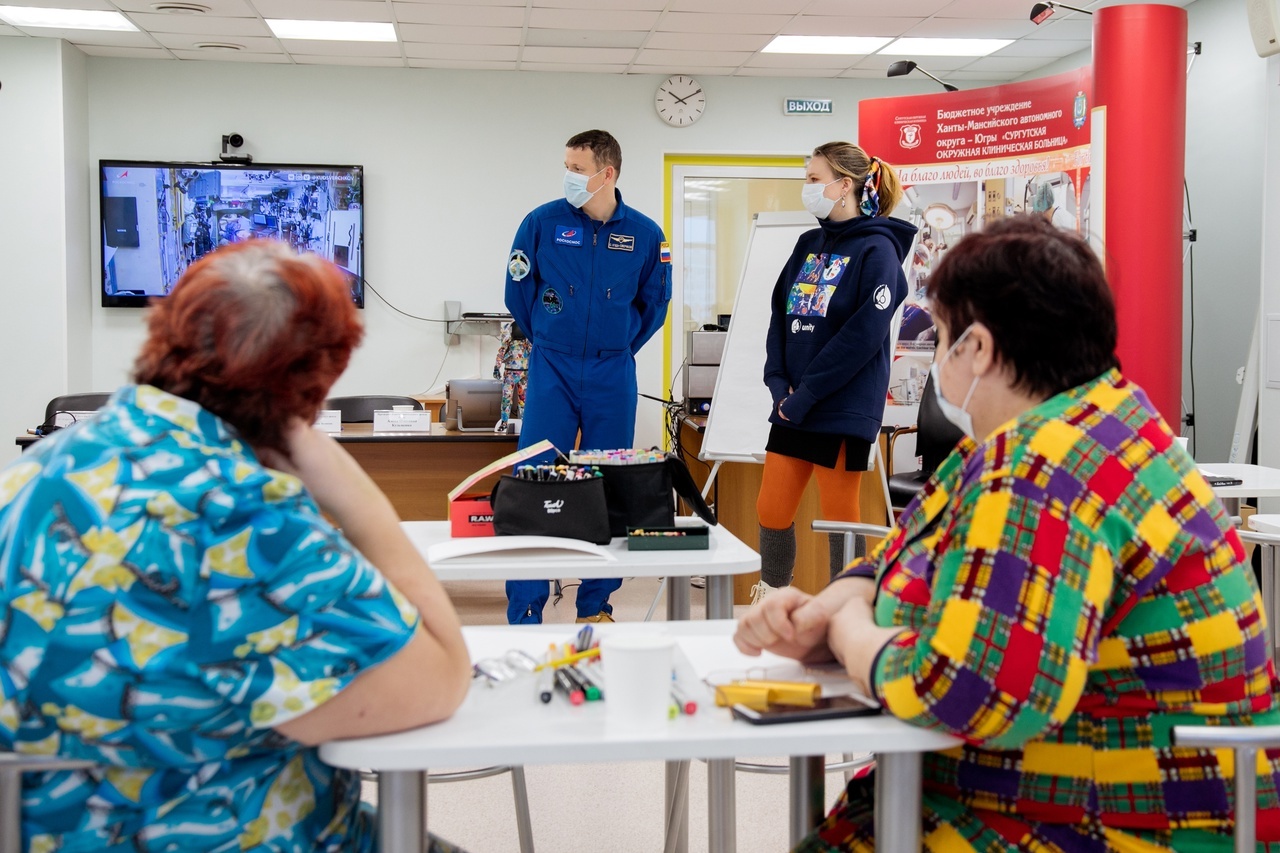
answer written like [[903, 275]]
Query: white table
[[508, 725], [726, 555], [1258, 482]]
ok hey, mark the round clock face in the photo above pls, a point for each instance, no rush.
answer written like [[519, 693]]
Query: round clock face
[[680, 100]]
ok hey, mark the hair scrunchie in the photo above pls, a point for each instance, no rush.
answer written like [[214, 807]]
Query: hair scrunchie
[[870, 189]]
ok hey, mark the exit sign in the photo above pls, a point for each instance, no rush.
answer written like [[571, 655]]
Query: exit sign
[[806, 106]]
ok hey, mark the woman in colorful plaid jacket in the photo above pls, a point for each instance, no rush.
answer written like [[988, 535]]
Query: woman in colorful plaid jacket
[[1062, 592]]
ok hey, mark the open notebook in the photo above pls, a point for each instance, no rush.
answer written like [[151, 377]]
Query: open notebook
[[486, 549]]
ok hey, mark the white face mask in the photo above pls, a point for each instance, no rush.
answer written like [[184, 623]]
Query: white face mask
[[958, 415], [575, 188], [811, 196]]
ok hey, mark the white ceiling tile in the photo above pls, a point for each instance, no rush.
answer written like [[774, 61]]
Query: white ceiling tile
[[628, 5], [187, 41], [830, 25], [976, 28], [324, 10], [459, 16], [687, 58], [369, 61], [1043, 47], [1075, 28], [702, 41], [696, 70], [208, 25], [746, 71], [1012, 10], [584, 68], [462, 64], [585, 38], [592, 19], [482, 52], [101, 37], [863, 73], [745, 7], [459, 35], [222, 56], [876, 8], [96, 5], [1016, 64], [585, 55], [695, 22], [322, 47], [984, 76], [935, 65], [222, 8], [125, 52], [802, 60]]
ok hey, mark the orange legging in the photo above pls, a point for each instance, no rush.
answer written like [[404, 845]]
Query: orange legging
[[784, 482]]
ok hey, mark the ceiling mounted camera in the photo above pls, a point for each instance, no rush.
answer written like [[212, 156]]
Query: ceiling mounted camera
[[233, 140]]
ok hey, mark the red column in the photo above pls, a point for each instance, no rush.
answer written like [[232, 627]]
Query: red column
[[1140, 76]]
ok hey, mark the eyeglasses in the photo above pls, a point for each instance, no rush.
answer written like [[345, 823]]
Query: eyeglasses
[[510, 666]]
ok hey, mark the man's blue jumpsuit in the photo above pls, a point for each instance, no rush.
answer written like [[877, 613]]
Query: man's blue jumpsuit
[[588, 295]]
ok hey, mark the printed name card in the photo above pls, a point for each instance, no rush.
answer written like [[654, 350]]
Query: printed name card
[[329, 420], [389, 420]]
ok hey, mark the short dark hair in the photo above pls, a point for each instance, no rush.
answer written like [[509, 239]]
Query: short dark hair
[[603, 147], [1041, 291]]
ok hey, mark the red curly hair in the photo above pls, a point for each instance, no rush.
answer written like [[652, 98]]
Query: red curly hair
[[254, 333]]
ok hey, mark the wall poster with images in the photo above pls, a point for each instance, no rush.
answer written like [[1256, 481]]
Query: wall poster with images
[[966, 158]]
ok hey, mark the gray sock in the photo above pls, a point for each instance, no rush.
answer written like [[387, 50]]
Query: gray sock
[[777, 555]]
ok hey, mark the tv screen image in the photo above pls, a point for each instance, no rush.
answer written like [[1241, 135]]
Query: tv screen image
[[159, 218]]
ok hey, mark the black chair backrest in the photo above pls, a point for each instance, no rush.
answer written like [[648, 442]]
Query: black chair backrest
[[87, 402], [359, 410], [937, 436]]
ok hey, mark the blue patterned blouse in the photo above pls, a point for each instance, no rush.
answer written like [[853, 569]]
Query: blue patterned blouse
[[165, 600]]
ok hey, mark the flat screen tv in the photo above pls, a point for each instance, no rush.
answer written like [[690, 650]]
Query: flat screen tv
[[159, 218]]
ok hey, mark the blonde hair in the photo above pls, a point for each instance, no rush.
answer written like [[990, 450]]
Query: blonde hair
[[849, 161]]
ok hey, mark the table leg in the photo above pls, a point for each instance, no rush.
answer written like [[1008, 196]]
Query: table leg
[[402, 811], [722, 821], [10, 809], [677, 599], [1232, 506], [1269, 593], [808, 792], [898, 801], [677, 807], [719, 597]]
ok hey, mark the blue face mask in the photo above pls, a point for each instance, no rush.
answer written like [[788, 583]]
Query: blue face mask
[[575, 188], [958, 415]]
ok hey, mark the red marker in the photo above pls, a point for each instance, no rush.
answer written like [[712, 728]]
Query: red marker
[[566, 686]]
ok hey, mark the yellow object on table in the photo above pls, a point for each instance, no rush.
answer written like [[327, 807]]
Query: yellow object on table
[[759, 694]]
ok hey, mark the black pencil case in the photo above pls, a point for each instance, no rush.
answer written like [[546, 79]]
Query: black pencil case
[[572, 509], [644, 495]]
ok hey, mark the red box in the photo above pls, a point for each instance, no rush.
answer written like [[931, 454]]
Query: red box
[[471, 513]]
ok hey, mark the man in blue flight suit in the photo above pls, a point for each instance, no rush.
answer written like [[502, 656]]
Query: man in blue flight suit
[[588, 279]]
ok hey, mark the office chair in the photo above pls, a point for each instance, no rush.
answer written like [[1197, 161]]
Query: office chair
[[87, 402], [935, 436], [359, 410]]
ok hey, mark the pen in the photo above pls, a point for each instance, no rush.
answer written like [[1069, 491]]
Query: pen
[[546, 681], [682, 700], [589, 688], [570, 690], [571, 658]]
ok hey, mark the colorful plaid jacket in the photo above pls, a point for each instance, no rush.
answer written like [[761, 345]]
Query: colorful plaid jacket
[[1071, 590]]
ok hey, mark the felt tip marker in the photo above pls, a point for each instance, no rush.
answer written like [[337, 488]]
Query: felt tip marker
[[566, 686], [589, 688], [546, 683], [682, 700]]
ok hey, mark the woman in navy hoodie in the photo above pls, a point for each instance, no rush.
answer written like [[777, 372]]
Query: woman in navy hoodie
[[829, 351]]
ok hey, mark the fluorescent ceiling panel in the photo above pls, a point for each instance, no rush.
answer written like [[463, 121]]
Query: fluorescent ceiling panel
[[945, 47], [31, 17], [333, 30], [828, 45]]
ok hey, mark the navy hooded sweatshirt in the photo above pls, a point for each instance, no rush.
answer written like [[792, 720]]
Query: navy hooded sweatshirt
[[829, 333]]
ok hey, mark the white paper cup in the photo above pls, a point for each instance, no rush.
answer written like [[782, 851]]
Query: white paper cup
[[637, 680], [1183, 440]]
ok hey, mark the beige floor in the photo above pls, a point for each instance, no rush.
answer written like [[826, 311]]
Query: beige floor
[[585, 808]]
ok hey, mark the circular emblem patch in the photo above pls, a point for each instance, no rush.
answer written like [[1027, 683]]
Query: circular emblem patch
[[882, 297], [551, 301], [518, 265], [795, 326]]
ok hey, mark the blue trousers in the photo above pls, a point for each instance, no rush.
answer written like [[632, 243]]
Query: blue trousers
[[568, 395]]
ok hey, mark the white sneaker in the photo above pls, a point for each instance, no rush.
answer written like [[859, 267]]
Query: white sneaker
[[759, 591]]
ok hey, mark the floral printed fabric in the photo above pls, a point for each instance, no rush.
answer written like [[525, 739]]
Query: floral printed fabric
[[165, 600]]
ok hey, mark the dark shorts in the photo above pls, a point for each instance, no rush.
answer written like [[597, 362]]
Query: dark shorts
[[820, 448]]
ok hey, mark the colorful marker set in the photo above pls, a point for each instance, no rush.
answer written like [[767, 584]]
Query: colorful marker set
[[624, 456], [557, 473]]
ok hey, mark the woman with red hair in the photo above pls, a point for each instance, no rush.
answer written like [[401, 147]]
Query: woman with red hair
[[175, 607]]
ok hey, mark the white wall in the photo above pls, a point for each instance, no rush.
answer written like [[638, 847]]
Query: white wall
[[34, 232], [453, 161], [1269, 398]]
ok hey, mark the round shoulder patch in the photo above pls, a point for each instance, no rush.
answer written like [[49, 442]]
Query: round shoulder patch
[[882, 297], [518, 265], [551, 301]]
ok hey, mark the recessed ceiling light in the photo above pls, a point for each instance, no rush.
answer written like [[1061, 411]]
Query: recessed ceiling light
[[829, 45], [945, 47], [176, 8], [65, 19], [333, 30], [218, 45]]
